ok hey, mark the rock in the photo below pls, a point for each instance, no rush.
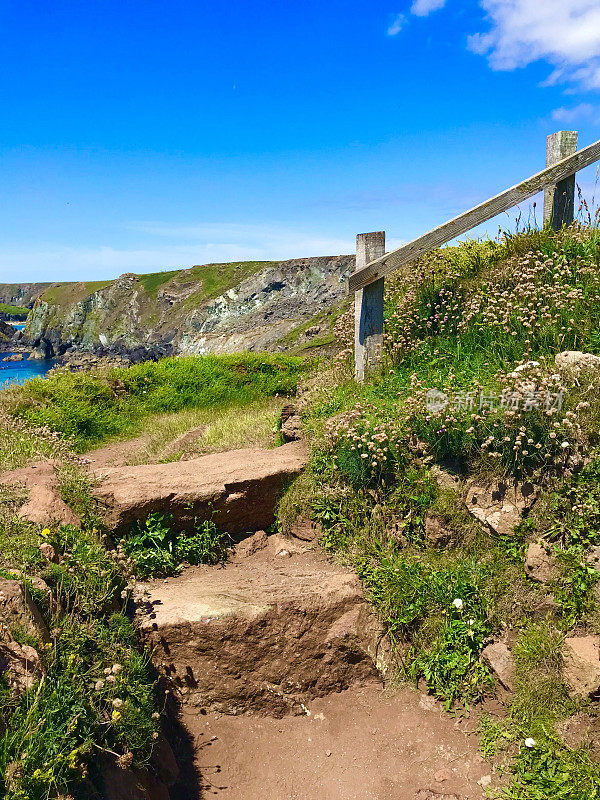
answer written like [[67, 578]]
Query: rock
[[263, 635], [499, 506], [306, 530], [253, 312], [45, 505], [247, 547], [436, 533], [581, 664], [428, 794], [574, 362], [18, 609], [484, 781], [14, 357], [291, 424], [540, 563], [238, 490], [500, 661], [446, 478], [21, 664], [311, 331], [49, 553]]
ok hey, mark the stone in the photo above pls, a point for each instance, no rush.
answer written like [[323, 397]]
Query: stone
[[20, 663], [18, 609], [499, 659], [436, 533], [581, 664], [540, 563], [49, 552], [291, 424], [574, 362], [45, 505], [500, 506], [238, 490]]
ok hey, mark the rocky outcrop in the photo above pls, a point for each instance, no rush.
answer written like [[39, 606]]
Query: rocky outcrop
[[45, 505], [22, 294], [238, 490], [263, 303], [540, 563]]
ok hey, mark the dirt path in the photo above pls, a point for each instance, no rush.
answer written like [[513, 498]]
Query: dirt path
[[360, 744], [115, 455]]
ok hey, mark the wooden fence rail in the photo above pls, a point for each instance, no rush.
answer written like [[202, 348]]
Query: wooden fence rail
[[373, 263]]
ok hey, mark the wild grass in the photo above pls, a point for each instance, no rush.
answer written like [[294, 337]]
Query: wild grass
[[219, 429], [94, 408], [468, 321]]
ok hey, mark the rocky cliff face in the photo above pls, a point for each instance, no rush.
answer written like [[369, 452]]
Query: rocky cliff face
[[214, 308], [21, 294]]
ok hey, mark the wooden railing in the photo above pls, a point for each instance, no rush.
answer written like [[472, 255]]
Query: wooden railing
[[373, 263]]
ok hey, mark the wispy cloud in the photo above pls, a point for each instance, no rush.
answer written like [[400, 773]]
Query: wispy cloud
[[582, 111], [186, 245], [566, 33], [421, 8], [397, 25]]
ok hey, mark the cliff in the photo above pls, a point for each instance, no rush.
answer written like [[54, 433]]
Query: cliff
[[22, 294], [216, 308]]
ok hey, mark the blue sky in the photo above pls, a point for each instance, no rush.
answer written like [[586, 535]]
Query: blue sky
[[143, 135]]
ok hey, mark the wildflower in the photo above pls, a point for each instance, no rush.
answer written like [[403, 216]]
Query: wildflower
[[530, 743], [458, 604], [116, 715], [564, 445], [46, 532], [117, 703]]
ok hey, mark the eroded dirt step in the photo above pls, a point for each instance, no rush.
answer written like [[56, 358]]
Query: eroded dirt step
[[276, 627], [360, 744]]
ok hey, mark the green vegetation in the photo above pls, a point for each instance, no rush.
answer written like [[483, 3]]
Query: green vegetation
[[13, 311], [97, 690], [461, 322], [92, 408], [152, 281], [217, 278], [158, 550], [72, 292]]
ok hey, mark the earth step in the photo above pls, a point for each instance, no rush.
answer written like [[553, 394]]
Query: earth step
[[265, 634], [238, 490]]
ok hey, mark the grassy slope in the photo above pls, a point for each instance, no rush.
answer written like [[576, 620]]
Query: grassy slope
[[5, 308], [452, 328]]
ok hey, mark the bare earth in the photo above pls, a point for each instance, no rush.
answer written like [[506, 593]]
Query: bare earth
[[360, 744]]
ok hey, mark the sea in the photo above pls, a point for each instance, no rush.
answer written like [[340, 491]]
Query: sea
[[21, 371]]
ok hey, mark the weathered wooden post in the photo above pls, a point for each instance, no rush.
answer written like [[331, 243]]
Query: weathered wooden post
[[559, 200], [368, 308]]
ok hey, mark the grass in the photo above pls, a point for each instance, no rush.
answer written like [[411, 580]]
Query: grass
[[217, 278], [13, 311], [97, 692], [152, 281], [461, 323], [91, 409]]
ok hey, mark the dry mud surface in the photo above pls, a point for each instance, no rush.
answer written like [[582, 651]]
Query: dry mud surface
[[360, 744]]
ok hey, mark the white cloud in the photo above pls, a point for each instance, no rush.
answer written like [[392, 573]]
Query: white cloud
[[397, 25], [203, 244], [566, 33], [568, 116], [421, 8]]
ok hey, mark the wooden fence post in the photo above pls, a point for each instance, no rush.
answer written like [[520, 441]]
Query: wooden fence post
[[559, 200], [368, 309]]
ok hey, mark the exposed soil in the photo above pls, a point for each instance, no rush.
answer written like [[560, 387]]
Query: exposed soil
[[118, 454], [360, 744], [277, 626]]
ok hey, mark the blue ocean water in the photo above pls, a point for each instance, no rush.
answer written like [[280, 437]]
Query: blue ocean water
[[21, 371]]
